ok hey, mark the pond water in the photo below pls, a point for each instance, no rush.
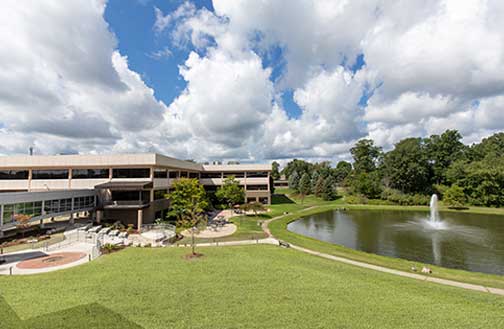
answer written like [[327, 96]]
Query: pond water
[[464, 241]]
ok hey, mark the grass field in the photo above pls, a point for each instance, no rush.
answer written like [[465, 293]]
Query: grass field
[[314, 205], [235, 287]]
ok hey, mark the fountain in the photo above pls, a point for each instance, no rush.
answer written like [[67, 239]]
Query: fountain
[[434, 221]]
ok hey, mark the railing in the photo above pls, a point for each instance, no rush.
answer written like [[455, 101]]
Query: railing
[[158, 227]]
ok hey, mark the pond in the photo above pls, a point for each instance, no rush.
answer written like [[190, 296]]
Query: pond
[[465, 241]]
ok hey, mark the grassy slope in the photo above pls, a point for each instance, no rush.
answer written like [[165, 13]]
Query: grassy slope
[[236, 287], [279, 230]]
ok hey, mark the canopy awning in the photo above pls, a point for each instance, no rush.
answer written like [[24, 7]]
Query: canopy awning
[[125, 186]]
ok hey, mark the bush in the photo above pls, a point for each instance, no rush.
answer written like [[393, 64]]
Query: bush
[[396, 197], [356, 199], [454, 196]]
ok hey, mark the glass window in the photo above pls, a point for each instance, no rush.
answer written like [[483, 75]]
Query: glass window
[[131, 173], [65, 205], [183, 174], [193, 175], [13, 174], [257, 187], [50, 174], [174, 174], [235, 174], [211, 175], [160, 173], [8, 213], [90, 173], [84, 202], [257, 174]]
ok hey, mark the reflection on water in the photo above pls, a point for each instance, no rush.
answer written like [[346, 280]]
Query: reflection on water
[[464, 241]]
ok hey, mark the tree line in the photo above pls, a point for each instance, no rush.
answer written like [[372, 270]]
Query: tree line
[[409, 173]]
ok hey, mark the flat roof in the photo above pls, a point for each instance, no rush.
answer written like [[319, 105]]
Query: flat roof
[[116, 160]]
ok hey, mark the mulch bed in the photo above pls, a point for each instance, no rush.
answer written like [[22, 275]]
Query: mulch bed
[[56, 259]]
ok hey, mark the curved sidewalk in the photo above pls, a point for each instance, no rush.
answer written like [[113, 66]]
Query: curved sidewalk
[[469, 286]]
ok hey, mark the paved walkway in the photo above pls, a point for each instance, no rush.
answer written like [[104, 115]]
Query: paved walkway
[[420, 277]]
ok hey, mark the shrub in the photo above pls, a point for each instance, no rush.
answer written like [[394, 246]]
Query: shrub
[[454, 196], [356, 199]]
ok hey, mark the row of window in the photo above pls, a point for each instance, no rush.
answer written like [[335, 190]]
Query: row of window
[[34, 209], [119, 173]]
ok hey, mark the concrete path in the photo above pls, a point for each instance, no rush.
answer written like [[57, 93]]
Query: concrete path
[[232, 243], [415, 276]]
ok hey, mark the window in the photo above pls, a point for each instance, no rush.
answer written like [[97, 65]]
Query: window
[[160, 194], [32, 209], [90, 173], [211, 175], [235, 174], [57, 206], [249, 200], [183, 174], [160, 173], [13, 174], [257, 174], [173, 174], [193, 175], [131, 173], [210, 188], [50, 174], [84, 202], [257, 187], [263, 200]]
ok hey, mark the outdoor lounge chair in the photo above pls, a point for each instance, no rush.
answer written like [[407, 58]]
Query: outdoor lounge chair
[[113, 233], [104, 230], [123, 235], [85, 227], [94, 229]]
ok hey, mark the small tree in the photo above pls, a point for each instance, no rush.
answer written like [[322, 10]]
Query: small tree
[[304, 186], [329, 189], [254, 206], [319, 187], [313, 182], [294, 181], [188, 202], [454, 196], [231, 192]]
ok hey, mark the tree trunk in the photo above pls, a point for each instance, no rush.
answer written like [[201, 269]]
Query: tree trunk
[[192, 241]]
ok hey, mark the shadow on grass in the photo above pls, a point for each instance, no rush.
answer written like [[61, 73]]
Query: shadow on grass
[[84, 316], [281, 199]]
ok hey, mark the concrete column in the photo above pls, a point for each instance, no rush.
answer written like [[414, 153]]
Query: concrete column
[[29, 180], [1, 216], [139, 219], [70, 179], [42, 223], [72, 219], [99, 214]]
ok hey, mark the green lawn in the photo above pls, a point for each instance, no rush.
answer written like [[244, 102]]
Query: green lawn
[[235, 287], [279, 230]]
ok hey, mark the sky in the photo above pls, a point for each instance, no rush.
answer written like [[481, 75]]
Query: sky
[[246, 80]]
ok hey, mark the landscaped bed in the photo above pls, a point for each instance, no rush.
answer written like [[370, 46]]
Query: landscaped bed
[[236, 287]]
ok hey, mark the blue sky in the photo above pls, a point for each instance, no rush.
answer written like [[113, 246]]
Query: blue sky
[[246, 80]]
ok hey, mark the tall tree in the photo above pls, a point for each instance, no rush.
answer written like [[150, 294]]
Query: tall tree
[[304, 186], [329, 189], [442, 151], [275, 170], [366, 156], [319, 187], [231, 192], [407, 167], [294, 181], [342, 171], [298, 166]]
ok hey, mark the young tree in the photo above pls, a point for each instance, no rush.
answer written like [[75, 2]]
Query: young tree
[[304, 186], [329, 189], [294, 181], [341, 171], [231, 192], [442, 151], [188, 202], [319, 187], [254, 206]]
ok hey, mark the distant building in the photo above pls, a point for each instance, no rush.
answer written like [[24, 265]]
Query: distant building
[[281, 183], [129, 188]]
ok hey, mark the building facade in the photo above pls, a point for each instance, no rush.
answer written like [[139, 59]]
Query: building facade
[[129, 188]]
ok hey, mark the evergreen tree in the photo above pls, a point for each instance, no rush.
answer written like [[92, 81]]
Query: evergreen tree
[[319, 187], [314, 180], [294, 181], [304, 186], [329, 189]]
